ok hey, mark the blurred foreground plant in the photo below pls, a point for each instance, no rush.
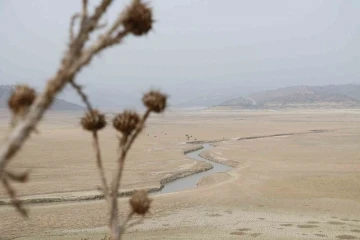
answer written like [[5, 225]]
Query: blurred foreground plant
[[28, 108], [129, 124]]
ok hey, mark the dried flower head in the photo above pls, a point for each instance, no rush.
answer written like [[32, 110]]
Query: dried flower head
[[140, 202], [126, 122], [137, 18], [155, 101], [93, 121], [21, 98]]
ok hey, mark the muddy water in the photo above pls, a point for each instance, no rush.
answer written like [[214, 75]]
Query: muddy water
[[192, 181]]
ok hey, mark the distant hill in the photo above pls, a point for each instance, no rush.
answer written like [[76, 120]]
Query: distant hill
[[331, 96], [58, 105], [199, 101], [244, 102]]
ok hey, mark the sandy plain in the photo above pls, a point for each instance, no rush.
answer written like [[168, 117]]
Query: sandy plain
[[300, 186]]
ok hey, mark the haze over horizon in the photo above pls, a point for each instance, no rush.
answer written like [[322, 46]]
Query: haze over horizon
[[198, 48]]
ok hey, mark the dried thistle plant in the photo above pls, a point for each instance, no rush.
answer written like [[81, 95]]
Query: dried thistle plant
[[93, 121], [28, 107], [126, 122], [20, 101], [129, 124], [138, 18], [140, 202], [155, 101]]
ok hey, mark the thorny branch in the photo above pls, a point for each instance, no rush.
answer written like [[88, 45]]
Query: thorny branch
[[105, 187], [82, 94], [137, 20], [130, 125], [95, 137], [101, 26], [72, 24], [69, 68], [84, 12]]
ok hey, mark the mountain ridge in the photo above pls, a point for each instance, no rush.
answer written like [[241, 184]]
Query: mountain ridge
[[302, 96]]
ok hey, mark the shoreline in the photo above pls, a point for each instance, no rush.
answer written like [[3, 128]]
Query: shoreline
[[78, 196], [256, 137], [207, 155]]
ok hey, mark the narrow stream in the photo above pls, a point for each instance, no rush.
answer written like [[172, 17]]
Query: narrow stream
[[192, 180], [177, 185]]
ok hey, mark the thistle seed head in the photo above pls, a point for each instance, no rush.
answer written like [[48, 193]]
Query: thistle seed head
[[155, 101], [137, 18], [21, 98], [140, 202], [126, 122], [93, 121]]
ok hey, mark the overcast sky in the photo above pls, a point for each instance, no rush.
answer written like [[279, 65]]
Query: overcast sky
[[197, 47]]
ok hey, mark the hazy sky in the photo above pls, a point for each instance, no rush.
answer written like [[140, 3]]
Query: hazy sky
[[198, 47]]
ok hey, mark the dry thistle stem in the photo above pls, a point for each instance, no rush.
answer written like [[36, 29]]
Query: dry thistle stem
[[29, 109], [21, 98], [140, 202], [137, 18], [126, 122], [93, 121], [155, 101]]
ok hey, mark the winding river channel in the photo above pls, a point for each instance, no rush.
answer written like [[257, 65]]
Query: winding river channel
[[191, 181]]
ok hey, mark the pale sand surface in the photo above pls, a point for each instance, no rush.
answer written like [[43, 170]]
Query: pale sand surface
[[293, 187]]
